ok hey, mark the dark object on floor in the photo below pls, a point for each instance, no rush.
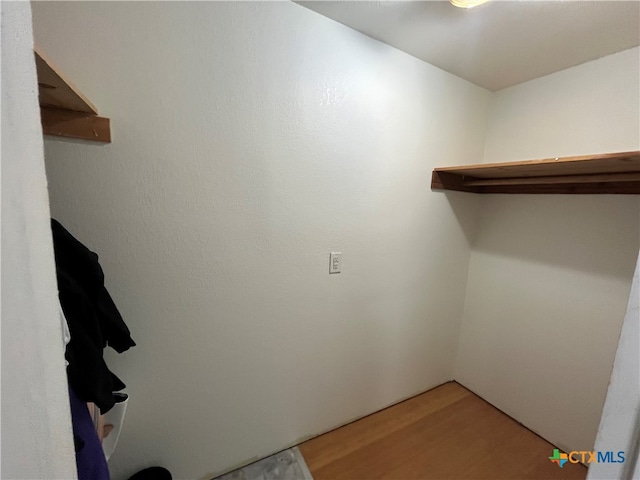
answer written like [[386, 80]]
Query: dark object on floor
[[152, 473]]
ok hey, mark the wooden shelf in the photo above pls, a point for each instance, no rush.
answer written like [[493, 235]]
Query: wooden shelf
[[617, 173], [64, 111]]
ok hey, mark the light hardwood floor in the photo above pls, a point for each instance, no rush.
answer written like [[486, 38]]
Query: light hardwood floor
[[445, 433]]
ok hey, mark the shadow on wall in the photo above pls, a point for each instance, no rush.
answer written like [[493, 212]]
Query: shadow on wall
[[589, 233], [465, 207]]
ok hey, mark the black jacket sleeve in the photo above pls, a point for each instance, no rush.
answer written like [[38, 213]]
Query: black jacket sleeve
[[94, 321]]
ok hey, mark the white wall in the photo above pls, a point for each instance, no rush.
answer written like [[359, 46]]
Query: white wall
[[619, 426], [549, 276], [249, 141], [584, 110], [36, 423]]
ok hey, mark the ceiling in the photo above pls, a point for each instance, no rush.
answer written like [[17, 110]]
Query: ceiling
[[500, 43]]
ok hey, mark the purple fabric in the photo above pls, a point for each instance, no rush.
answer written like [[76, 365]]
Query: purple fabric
[[90, 459]]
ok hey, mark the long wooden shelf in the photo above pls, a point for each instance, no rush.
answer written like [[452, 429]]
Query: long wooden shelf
[[64, 111], [617, 173]]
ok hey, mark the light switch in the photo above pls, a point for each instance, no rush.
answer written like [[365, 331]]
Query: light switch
[[335, 262]]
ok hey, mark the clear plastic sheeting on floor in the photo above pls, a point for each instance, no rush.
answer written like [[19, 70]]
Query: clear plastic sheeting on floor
[[286, 465]]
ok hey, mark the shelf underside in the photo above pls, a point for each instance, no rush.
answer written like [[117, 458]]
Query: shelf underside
[[617, 173], [64, 111]]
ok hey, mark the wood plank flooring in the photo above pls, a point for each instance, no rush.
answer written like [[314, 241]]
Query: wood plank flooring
[[445, 433]]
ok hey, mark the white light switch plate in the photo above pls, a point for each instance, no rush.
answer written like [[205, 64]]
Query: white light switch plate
[[335, 262]]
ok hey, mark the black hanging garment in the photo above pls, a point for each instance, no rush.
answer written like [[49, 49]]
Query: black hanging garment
[[94, 320]]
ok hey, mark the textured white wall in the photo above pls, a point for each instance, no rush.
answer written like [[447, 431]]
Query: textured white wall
[[618, 430], [549, 276], [588, 109], [36, 424], [249, 141]]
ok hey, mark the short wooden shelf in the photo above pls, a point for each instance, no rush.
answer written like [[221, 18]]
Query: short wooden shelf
[[617, 173], [64, 111]]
